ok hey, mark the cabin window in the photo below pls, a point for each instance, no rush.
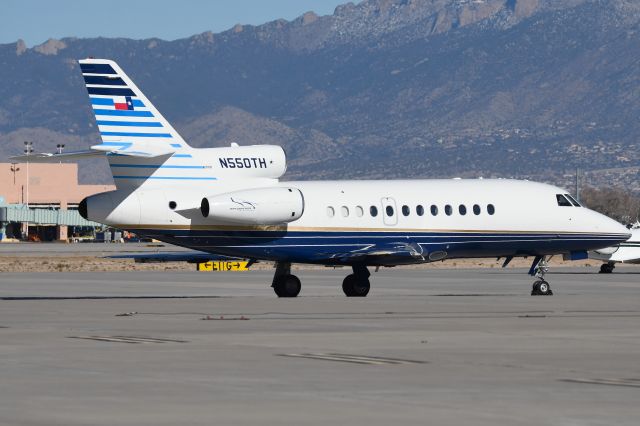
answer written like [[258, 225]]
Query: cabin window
[[448, 210], [406, 210], [419, 210], [563, 202], [462, 209], [573, 200], [173, 205], [345, 211], [490, 209], [373, 210], [359, 211], [331, 212], [389, 211], [434, 210], [476, 209]]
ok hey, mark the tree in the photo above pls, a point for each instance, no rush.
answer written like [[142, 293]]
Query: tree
[[617, 204]]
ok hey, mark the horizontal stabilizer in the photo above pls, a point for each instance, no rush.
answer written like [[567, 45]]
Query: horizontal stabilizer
[[140, 150]]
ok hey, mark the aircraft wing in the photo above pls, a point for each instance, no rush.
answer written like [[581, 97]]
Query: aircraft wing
[[137, 149], [178, 256], [390, 254]]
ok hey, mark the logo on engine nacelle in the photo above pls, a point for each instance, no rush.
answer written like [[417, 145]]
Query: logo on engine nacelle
[[244, 205], [243, 163]]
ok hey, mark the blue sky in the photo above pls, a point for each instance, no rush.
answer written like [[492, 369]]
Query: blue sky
[[35, 21]]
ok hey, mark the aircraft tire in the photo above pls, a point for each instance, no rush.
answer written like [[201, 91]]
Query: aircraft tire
[[606, 268], [352, 286], [541, 288], [287, 286]]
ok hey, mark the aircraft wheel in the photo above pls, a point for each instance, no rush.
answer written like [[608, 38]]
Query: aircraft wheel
[[287, 286], [354, 286], [606, 268], [541, 288]]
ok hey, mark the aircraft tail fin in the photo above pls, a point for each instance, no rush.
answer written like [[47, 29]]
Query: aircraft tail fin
[[123, 113], [141, 145]]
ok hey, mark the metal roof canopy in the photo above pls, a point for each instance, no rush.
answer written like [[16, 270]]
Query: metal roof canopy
[[19, 213]]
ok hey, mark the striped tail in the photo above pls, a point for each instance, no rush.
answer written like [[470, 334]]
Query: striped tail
[[127, 120]]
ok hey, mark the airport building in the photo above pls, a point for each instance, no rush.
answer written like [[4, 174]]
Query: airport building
[[39, 202]]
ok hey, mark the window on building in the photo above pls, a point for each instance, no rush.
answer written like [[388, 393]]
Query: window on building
[[491, 209], [563, 202], [373, 210], [419, 210], [448, 210], [406, 210], [476, 209]]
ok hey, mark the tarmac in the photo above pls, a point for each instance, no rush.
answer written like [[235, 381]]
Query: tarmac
[[433, 346]]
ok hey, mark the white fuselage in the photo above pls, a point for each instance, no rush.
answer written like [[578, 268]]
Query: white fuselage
[[383, 222]]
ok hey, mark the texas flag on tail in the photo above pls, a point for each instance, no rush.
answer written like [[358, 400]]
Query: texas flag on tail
[[123, 102]]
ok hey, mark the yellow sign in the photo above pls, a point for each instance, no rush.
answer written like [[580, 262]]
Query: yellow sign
[[223, 266]]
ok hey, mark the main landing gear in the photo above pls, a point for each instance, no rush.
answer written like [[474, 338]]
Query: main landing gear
[[357, 284], [538, 269], [287, 285], [607, 268]]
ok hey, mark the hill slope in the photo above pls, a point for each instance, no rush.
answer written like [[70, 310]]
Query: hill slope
[[384, 88]]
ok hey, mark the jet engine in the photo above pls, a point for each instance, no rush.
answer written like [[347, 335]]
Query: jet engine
[[260, 206], [607, 250]]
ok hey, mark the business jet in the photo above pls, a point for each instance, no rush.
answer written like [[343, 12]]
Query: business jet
[[230, 201], [625, 252]]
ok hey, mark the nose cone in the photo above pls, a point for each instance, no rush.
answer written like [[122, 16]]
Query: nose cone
[[610, 230]]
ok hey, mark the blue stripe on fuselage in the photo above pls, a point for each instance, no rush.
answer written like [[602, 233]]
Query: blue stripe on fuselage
[[331, 247]]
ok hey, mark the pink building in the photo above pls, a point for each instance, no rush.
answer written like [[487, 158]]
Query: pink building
[[48, 186]]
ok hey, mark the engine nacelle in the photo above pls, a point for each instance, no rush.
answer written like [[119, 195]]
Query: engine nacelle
[[260, 206], [607, 250]]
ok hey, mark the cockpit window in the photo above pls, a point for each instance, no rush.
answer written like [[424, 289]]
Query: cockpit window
[[562, 201], [573, 200]]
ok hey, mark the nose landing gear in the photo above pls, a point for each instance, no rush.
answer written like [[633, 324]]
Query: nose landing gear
[[538, 269]]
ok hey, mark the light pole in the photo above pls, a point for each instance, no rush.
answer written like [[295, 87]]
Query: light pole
[[28, 149], [14, 168]]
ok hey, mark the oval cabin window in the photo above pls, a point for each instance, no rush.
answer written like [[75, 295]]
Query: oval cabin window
[[331, 212]]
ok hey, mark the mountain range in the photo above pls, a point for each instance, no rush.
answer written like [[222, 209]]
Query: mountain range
[[380, 89]]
